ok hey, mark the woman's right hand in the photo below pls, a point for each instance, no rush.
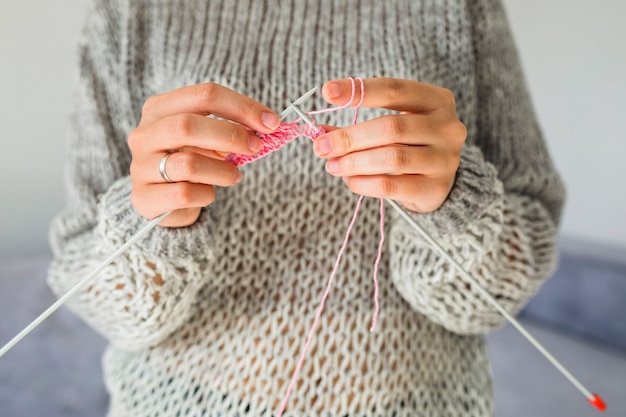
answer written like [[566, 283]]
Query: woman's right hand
[[175, 122]]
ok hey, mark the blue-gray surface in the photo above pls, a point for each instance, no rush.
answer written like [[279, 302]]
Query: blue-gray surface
[[56, 370], [587, 295]]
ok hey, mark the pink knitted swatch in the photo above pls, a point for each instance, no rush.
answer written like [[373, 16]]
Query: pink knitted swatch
[[285, 133]]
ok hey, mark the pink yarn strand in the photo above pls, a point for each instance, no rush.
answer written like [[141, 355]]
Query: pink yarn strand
[[331, 278], [285, 133], [343, 106], [320, 309], [356, 107], [377, 263]]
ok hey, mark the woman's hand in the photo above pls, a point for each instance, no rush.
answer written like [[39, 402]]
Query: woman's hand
[[176, 123], [411, 157]]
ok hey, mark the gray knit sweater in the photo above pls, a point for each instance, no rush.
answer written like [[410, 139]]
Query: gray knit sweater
[[209, 320]]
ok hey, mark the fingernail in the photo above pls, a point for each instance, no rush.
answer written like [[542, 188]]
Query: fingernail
[[270, 120], [334, 90], [254, 143], [332, 166], [322, 146]]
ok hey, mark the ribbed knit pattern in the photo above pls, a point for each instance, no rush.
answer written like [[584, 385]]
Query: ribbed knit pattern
[[208, 320]]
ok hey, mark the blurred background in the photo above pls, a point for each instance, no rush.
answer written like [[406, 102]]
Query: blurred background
[[574, 56]]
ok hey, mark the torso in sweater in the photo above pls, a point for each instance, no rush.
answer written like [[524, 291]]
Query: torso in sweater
[[269, 243]]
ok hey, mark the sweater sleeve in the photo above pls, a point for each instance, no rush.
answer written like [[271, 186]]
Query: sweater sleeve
[[149, 291], [501, 218]]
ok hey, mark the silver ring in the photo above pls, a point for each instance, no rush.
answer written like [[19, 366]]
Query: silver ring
[[162, 171]]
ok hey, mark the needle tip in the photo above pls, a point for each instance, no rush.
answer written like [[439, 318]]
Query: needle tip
[[597, 402]]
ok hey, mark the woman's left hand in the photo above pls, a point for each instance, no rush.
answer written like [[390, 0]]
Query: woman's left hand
[[411, 157]]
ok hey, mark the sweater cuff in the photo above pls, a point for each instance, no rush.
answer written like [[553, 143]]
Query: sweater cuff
[[119, 221], [476, 191]]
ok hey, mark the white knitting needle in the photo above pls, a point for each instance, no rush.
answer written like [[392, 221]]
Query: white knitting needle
[[81, 284], [151, 225], [594, 399], [299, 101]]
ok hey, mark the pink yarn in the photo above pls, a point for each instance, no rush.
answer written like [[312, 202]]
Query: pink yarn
[[347, 104], [379, 255], [285, 133], [320, 309], [331, 278]]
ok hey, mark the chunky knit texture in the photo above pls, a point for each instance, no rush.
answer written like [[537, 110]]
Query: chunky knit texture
[[208, 320]]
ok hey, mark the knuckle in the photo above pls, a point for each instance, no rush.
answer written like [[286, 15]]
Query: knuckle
[[182, 126], [184, 164], [344, 141], [247, 108], [235, 176], [387, 187], [238, 138], [459, 133], [439, 193], [208, 196], [149, 105], [399, 158], [455, 133], [393, 126], [133, 169], [447, 95], [133, 139], [434, 194], [206, 91], [393, 86], [183, 194], [347, 165], [138, 201]]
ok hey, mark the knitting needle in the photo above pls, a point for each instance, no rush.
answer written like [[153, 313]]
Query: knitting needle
[[81, 284], [151, 225], [299, 101], [594, 399], [294, 106]]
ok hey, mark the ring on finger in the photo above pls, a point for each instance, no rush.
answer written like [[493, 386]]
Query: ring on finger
[[162, 167]]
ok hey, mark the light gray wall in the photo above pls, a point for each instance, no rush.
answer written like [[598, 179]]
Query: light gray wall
[[37, 44], [573, 53]]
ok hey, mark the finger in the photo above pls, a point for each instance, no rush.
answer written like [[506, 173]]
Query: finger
[[155, 199], [190, 130], [389, 93], [403, 129], [187, 166], [394, 159], [328, 128], [211, 98], [209, 153], [418, 193], [181, 218]]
